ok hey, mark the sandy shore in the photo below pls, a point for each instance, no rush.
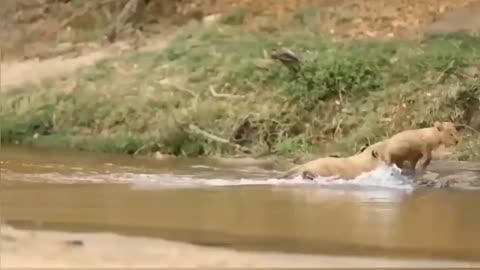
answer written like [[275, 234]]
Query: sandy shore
[[60, 249]]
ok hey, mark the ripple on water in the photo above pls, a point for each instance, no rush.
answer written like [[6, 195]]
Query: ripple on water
[[385, 177]]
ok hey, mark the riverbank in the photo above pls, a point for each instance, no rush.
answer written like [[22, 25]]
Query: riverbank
[[63, 249], [214, 90]]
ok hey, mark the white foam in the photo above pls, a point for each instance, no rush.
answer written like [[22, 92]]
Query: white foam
[[383, 176]]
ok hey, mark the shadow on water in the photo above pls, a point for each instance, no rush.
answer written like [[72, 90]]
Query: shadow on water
[[293, 218]]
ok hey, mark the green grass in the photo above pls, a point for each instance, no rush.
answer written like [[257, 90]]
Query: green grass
[[350, 93]]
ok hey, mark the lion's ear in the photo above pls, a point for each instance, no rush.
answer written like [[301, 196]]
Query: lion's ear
[[374, 154], [364, 147], [438, 125]]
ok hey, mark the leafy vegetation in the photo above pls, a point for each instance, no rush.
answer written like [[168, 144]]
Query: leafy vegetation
[[221, 80]]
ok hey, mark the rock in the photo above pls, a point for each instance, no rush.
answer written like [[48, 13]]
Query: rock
[[454, 178], [459, 179], [430, 176], [441, 183], [454, 166], [74, 242], [464, 176]]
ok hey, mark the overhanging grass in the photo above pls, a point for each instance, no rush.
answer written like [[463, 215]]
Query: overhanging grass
[[350, 93]]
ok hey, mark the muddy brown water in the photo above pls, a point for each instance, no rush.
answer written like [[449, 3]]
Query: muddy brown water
[[203, 203]]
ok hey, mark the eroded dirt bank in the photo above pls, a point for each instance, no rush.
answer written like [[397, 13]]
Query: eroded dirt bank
[[59, 249]]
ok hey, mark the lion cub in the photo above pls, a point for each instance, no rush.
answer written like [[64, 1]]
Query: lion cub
[[345, 168], [414, 144]]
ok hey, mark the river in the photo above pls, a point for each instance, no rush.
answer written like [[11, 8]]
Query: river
[[242, 208]]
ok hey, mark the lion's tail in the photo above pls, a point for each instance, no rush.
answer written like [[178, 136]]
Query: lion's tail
[[290, 173]]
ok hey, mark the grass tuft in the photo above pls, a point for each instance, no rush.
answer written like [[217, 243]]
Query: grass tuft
[[348, 94]]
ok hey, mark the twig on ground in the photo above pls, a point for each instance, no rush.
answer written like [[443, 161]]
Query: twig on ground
[[186, 90], [76, 15], [181, 88], [215, 94], [337, 129], [143, 147], [340, 96], [194, 129], [444, 72]]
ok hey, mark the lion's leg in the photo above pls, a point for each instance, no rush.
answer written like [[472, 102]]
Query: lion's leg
[[408, 170], [427, 158], [308, 175], [413, 162], [388, 159]]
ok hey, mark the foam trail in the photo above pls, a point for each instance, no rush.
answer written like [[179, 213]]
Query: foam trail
[[383, 176]]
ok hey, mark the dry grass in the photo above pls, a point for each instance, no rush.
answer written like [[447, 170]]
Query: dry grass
[[217, 78], [42, 28]]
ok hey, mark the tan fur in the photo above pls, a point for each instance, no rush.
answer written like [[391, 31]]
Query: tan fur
[[414, 144], [345, 168]]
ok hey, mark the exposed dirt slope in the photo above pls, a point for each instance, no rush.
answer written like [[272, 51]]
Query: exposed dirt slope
[[15, 73], [52, 249], [35, 26]]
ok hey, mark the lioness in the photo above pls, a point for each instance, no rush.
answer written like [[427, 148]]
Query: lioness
[[413, 144], [345, 168]]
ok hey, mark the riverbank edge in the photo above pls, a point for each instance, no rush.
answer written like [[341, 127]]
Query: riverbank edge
[[88, 110], [64, 249]]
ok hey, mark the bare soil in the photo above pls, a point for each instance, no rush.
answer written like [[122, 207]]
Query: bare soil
[[17, 72], [34, 28], [46, 249]]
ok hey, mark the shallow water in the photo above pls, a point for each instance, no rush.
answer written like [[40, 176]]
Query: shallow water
[[245, 208]]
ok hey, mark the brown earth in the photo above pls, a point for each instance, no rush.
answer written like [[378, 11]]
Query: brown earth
[[350, 18], [46, 249], [34, 27], [47, 29]]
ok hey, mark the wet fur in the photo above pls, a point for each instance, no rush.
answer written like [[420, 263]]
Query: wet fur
[[416, 144], [345, 168]]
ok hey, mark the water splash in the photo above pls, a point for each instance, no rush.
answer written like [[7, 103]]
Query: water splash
[[383, 176]]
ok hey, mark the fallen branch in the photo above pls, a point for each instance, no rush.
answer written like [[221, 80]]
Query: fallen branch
[[76, 15], [337, 129], [468, 127], [194, 129], [215, 94], [444, 72], [181, 88], [143, 147]]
